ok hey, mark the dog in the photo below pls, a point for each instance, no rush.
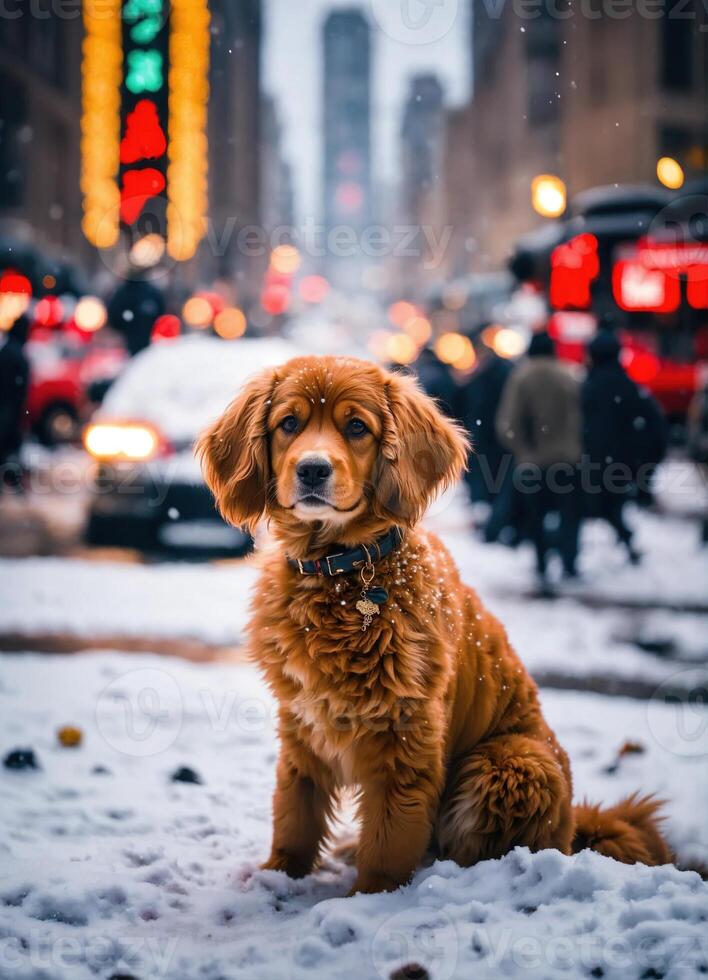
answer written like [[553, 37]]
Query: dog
[[390, 675]]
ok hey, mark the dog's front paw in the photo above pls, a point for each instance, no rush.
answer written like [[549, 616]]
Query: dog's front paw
[[293, 865], [370, 883]]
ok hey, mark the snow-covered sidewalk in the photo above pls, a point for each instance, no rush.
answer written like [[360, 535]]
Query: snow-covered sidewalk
[[110, 867]]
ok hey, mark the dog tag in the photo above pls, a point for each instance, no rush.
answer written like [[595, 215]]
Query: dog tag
[[368, 610]]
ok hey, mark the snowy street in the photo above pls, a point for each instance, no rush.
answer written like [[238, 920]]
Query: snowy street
[[114, 868]]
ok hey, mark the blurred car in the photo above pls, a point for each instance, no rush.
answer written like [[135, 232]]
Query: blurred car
[[149, 492], [66, 381]]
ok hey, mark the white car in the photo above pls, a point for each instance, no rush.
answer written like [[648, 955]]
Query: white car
[[149, 492]]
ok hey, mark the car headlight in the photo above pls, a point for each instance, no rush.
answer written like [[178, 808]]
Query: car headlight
[[121, 441]]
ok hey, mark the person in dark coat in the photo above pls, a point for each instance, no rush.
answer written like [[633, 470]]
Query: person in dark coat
[[490, 474], [624, 436], [436, 380], [14, 383], [133, 309], [539, 422]]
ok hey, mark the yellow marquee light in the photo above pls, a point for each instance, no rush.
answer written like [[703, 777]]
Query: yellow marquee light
[[102, 66], [187, 152]]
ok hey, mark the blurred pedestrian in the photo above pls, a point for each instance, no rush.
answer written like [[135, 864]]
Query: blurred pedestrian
[[490, 473], [14, 384], [624, 437], [539, 421], [133, 309], [436, 380], [698, 441]]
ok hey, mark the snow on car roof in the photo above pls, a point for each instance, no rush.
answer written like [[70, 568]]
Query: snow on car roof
[[182, 385]]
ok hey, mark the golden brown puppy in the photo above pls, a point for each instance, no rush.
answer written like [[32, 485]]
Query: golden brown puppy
[[390, 674]]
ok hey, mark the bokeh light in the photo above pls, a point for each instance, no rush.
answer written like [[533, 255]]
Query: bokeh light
[[401, 311], [670, 173], [314, 289], [167, 327], [198, 312], [90, 314], [285, 259], [230, 323], [419, 328], [504, 341], [147, 251], [401, 349], [49, 312], [457, 350], [548, 195]]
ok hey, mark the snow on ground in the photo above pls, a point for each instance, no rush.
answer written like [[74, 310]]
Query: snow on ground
[[87, 598], [111, 868]]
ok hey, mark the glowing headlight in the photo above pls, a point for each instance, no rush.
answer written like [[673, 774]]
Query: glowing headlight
[[121, 441]]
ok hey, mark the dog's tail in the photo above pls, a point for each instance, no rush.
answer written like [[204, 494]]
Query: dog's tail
[[629, 832]]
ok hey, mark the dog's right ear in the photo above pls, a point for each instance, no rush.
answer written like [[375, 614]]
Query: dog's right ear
[[234, 454]]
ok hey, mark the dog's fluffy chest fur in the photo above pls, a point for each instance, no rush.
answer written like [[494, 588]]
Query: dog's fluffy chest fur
[[341, 684]]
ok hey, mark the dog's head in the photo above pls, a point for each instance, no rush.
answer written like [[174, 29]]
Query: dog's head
[[332, 443]]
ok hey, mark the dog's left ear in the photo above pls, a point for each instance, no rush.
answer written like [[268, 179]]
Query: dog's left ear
[[422, 452], [234, 454]]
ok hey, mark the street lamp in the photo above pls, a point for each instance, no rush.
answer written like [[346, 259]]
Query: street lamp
[[548, 195], [670, 173]]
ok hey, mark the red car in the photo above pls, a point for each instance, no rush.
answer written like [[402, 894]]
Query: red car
[[66, 382]]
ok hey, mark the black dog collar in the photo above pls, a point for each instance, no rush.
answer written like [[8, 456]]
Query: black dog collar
[[354, 558]]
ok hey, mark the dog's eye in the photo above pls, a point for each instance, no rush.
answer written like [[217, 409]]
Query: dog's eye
[[289, 424], [355, 427]]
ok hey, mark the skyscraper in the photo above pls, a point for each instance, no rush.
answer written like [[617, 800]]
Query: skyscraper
[[422, 199], [347, 142]]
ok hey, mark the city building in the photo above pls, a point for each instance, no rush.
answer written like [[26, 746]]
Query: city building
[[347, 143], [277, 191], [422, 197], [592, 100], [40, 112], [234, 131]]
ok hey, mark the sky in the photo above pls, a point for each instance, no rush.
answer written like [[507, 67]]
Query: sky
[[409, 36]]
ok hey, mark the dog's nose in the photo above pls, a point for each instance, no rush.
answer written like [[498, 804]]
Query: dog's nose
[[312, 473]]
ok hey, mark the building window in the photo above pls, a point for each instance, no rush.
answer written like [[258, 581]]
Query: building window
[[677, 50]]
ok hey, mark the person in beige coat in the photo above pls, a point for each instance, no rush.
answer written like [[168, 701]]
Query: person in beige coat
[[539, 421]]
